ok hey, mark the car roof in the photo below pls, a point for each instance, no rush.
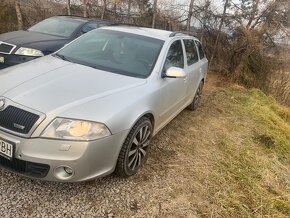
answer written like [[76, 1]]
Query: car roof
[[82, 19], [144, 31]]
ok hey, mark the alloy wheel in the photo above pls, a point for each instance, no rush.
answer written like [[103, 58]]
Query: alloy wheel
[[138, 150]]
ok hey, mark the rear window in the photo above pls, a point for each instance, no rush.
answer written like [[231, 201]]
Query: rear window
[[56, 26], [191, 52], [200, 50], [88, 27]]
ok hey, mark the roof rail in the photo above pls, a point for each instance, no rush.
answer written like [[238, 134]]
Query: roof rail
[[174, 34], [182, 33], [85, 18], [128, 24], [65, 15]]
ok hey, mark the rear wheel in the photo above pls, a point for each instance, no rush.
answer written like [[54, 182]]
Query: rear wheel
[[134, 150], [196, 100]]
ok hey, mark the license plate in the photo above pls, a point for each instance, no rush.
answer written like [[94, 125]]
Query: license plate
[[2, 60], [6, 149]]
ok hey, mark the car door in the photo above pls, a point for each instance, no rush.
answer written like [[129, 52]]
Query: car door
[[172, 90], [203, 62], [192, 67]]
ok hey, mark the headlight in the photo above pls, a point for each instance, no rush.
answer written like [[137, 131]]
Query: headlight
[[80, 130], [29, 52]]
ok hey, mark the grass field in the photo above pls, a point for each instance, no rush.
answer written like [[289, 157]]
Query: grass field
[[235, 152]]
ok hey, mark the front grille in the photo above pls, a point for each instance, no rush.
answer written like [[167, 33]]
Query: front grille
[[24, 167], [6, 48], [17, 120]]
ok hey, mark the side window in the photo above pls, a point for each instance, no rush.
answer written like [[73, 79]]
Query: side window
[[191, 52], [200, 49], [88, 27], [174, 56]]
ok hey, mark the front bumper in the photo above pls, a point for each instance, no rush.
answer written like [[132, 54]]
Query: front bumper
[[12, 59], [88, 160]]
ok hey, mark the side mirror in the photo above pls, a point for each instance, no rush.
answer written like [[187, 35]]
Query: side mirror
[[174, 72]]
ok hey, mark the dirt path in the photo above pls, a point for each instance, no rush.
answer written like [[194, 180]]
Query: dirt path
[[172, 184]]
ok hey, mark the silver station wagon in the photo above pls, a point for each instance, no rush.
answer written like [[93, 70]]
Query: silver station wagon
[[93, 107]]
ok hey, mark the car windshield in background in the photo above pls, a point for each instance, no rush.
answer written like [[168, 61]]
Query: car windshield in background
[[114, 51], [57, 27]]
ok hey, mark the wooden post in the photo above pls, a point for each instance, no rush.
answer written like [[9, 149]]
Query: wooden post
[[19, 15], [129, 10], [68, 7], [104, 9], [85, 3], [154, 13]]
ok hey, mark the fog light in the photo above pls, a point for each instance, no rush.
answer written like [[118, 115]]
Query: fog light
[[63, 172], [68, 170]]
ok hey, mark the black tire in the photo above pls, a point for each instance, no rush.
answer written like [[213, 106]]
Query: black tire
[[135, 148], [197, 97]]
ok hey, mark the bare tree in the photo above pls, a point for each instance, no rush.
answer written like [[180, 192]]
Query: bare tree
[[205, 18], [253, 12], [115, 9], [219, 30], [154, 13], [19, 14], [68, 7], [190, 13]]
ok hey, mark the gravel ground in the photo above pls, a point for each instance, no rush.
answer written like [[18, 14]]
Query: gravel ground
[[151, 193], [168, 185]]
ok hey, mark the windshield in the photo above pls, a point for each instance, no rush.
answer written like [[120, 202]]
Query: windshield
[[114, 51], [56, 26]]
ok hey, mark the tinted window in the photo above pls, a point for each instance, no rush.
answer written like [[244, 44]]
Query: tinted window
[[200, 50], [56, 26], [191, 52], [114, 51], [174, 56], [88, 27]]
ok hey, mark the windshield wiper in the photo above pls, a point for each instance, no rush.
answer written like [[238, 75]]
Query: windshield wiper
[[61, 57]]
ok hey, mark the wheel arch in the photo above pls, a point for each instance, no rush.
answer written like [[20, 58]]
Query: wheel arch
[[148, 115]]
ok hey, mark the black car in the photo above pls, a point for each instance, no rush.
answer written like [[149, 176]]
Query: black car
[[43, 38]]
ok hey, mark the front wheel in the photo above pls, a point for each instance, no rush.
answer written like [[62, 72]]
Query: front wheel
[[196, 100], [134, 150]]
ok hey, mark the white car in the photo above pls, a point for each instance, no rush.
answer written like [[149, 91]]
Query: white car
[[92, 107]]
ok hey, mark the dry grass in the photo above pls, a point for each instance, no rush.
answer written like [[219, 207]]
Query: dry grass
[[231, 157]]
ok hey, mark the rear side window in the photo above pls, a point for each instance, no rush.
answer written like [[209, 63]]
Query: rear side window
[[174, 56], [200, 49], [191, 52], [88, 27]]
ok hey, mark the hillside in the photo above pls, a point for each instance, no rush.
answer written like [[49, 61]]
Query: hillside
[[229, 158]]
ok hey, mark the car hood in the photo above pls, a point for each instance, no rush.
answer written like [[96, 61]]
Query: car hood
[[25, 38], [44, 42], [51, 85]]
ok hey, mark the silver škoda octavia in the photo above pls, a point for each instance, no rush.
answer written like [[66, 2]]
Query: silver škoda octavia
[[92, 107]]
